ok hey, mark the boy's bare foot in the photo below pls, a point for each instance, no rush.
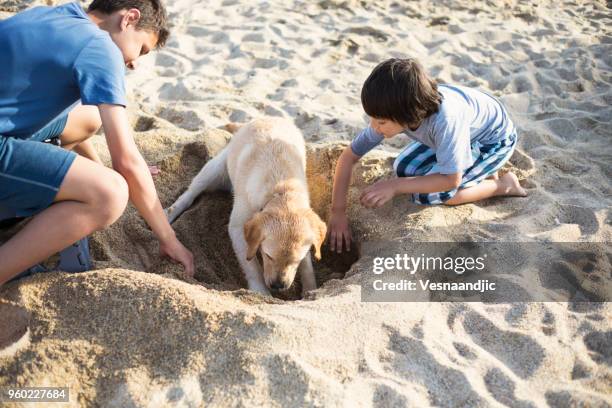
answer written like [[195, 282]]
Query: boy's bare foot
[[511, 186], [494, 176]]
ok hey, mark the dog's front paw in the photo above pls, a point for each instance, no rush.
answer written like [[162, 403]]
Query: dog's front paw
[[258, 287], [305, 292]]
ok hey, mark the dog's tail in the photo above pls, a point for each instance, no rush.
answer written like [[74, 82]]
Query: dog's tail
[[213, 176]]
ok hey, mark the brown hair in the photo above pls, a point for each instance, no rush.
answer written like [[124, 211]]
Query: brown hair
[[153, 15], [400, 90]]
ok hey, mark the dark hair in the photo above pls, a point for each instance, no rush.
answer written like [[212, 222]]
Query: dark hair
[[153, 15], [400, 90]]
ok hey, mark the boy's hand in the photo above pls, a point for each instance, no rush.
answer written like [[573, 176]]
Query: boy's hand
[[339, 231], [378, 194], [175, 250]]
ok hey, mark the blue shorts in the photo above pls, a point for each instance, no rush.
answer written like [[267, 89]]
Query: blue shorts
[[31, 172], [419, 160]]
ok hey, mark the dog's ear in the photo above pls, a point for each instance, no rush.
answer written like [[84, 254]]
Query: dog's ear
[[253, 234], [319, 229]]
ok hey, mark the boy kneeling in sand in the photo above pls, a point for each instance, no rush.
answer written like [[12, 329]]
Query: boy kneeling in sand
[[462, 138], [51, 58]]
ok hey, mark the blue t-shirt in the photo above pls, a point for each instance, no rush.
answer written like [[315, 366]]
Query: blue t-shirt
[[466, 116], [50, 57]]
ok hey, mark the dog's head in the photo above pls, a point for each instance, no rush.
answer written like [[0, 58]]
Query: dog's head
[[283, 238]]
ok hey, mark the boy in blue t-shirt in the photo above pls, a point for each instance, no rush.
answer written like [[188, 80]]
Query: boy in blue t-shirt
[[52, 57], [462, 138]]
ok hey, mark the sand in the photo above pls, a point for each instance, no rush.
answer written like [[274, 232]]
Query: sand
[[135, 332]]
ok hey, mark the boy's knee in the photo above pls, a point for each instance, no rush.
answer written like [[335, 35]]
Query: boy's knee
[[398, 172], [112, 199], [83, 122], [395, 164], [452, 201], [405, 172], [449, 198], [403, 169], [444, 198], [396, 167], [93, 124]]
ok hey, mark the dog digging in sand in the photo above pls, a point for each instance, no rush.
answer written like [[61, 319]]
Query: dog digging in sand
[[265, 165]]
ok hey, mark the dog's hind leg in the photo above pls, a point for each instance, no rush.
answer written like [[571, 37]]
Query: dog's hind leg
[[307, 275], [213, 176]]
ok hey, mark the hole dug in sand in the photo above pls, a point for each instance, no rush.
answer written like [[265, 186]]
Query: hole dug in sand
[[144, 123], [14, 328], [203, 227]]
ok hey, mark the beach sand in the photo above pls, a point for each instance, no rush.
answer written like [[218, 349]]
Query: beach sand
[[135, 332]]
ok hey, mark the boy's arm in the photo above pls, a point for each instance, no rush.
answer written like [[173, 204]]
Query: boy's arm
[[431, 183], [128, 161], [342, 178], [379, 193], [338, 222], [453, 155]]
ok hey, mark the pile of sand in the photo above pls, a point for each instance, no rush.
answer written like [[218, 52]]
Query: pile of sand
[[135, 333], [121, 337]]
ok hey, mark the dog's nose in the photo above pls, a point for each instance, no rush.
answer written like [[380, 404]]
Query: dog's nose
[[277, 285]]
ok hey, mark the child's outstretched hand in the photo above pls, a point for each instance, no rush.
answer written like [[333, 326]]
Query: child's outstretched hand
[[339, 231], [174, 249], [377, 194]]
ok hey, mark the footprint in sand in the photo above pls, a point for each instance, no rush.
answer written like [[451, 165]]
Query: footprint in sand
[[185, 119], [239, 116], [145, 123], [290, 379], [385, 396], [584, 217], [378, 35], [520, 84], [522, 165], [580, 370], [198, 31], [574, 398], [465, 351], [599, 345], [564, 277], [254, 37], [562, 127], [167, 60], [502, 388], [413, 361], [176, 92], [520, 353], [516, 313], [548, 324]]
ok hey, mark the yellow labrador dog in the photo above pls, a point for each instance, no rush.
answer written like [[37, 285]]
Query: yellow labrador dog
[[265, 164]]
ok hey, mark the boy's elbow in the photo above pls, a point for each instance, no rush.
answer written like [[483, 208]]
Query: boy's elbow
[[126, 166], [454, 180]]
